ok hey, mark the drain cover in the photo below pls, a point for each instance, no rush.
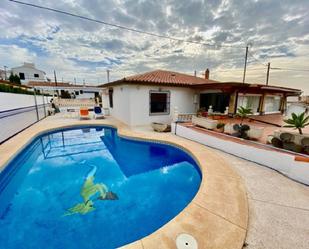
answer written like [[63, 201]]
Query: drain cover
[[186, 241]]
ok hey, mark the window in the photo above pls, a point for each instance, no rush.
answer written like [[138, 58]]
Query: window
[[249, 101], [22, 76], [110, 95], [272, 104], [159, 102], [36, 75]]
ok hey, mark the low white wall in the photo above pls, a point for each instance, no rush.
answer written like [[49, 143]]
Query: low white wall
[[9, 101], [13, 119], [281, 162]]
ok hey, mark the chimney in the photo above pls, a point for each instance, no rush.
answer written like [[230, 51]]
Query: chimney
[[207, 74]]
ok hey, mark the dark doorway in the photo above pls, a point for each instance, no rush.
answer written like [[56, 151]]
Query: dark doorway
[[218, 101]]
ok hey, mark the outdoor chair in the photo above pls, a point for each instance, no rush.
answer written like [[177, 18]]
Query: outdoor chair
[[98, 112], [84, 113]]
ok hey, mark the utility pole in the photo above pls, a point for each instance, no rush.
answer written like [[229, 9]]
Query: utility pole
[[5, 67], [75, 81], [55, 76], [267, 75], [107, 73], [245, 67]]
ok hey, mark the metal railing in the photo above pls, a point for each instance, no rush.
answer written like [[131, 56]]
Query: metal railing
[[15, 120]]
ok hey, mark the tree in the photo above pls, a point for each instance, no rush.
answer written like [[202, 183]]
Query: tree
[[297, 122], [14, 79], [243, 113]]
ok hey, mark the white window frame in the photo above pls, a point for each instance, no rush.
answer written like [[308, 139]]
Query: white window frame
[[273, 95], [251, 94]]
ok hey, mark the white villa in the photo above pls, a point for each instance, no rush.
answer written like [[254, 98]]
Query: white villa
[[27, 72], [157, 95]]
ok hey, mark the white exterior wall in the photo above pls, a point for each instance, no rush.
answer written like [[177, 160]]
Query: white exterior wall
[[29, 72], [131, 103], [12, 120], [10, 101], [121, 103]]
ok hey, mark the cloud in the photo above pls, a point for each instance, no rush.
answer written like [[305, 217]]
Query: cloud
[[278, 31]]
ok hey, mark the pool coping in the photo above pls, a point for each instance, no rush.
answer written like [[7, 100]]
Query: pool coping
[[218, 214]]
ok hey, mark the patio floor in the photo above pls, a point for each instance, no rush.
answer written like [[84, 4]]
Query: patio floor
[[278, 207]]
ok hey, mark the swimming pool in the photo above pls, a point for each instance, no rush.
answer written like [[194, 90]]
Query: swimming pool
[[86, 187]]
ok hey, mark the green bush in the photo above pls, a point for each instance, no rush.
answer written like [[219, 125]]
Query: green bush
[[11, 89]]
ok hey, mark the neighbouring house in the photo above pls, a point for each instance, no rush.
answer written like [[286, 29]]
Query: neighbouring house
[[27, 72], [3, 74], [75, 91], [155, 96], [297, 105]]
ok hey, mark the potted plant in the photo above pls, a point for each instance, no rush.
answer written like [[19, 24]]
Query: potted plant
[[220, 127], [200, 111], [297, 122], [241, 129], [243, 113]]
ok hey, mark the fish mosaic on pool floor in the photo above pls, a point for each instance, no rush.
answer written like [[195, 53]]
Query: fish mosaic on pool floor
[[89, 190]]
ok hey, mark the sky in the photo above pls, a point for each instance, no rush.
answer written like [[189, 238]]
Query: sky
[[277, 31]]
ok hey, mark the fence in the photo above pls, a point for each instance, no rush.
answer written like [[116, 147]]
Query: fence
[[19, 111]]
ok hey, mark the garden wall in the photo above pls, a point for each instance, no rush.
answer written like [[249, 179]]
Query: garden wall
[[280, 161], [18, 111]]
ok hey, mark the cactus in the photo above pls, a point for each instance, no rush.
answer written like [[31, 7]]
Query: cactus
[[305, 142], [245, 127], [306, 150], [292, 147], [276, 142], [286, 137], [241, 131]]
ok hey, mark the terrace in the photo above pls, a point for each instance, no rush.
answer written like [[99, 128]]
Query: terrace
[[239, 204]]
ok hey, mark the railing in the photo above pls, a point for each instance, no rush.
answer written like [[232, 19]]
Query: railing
[[74, 102], [19, 111], [185, 117]]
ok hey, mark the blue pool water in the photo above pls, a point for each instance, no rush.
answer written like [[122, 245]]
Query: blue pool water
[[88, 188]]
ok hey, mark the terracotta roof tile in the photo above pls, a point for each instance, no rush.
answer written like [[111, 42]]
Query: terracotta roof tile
[[164, 77], [52, 84]]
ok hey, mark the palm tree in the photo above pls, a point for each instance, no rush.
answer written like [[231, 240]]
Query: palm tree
[[297, 122], [243, 112]]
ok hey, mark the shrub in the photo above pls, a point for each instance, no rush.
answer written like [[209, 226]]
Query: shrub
[[220, 125], [297, 122]]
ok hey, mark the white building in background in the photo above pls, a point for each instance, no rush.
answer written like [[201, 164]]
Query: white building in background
[[2, 74], [27, 72], [75, 91], [297, 105]]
